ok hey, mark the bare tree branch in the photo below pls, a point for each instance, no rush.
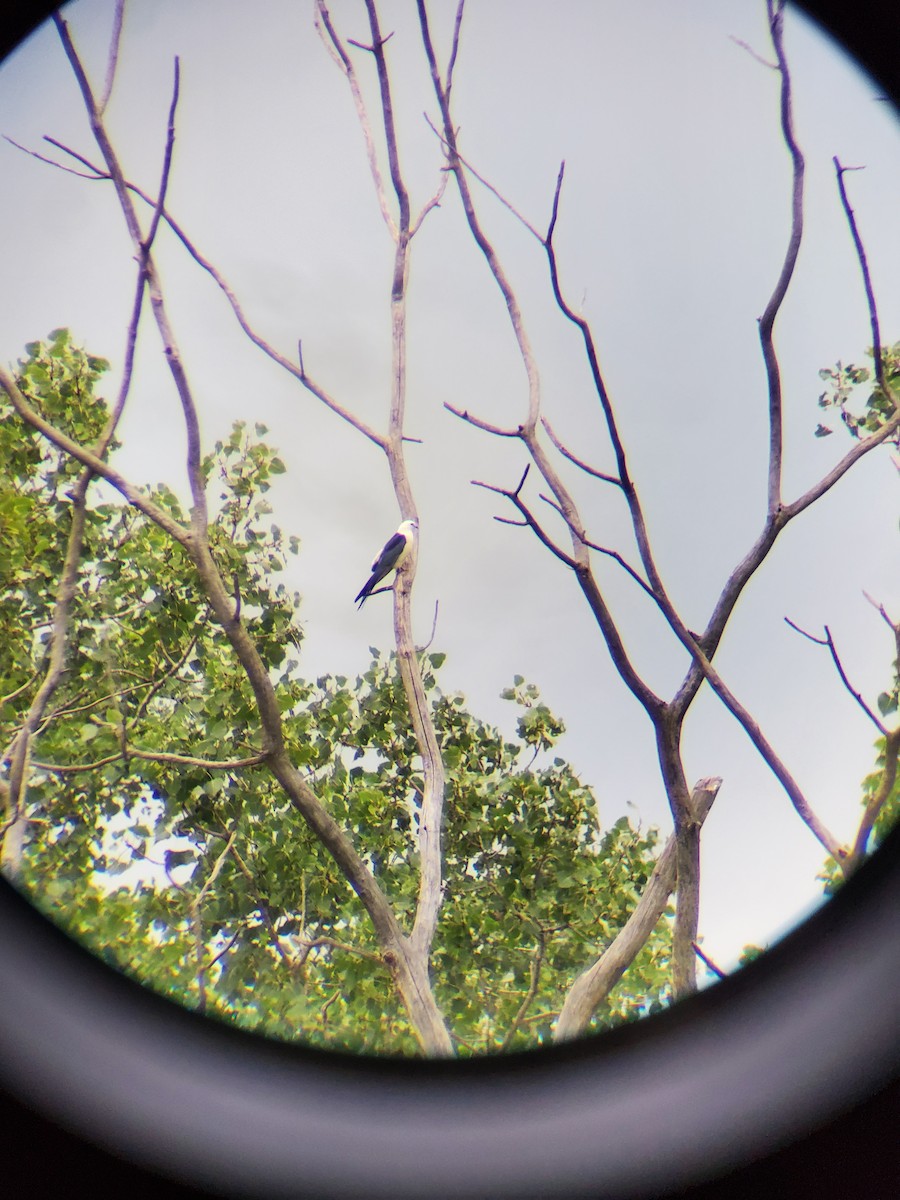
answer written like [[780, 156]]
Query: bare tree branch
[[454, 49], [434, 202], [867, 278], [167, 163], [529, 521], [775, 10], [828, 641], [708, 962], [773, 66], [483, 181], [113, 59], [465, 415], [199, 516], [455, 165], [334, 46], [299, 372], [623, 476], [184, 760], [577, 461], [52, 162], [592, 987]]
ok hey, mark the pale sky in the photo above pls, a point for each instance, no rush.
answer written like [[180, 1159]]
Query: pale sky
[[672, 230]]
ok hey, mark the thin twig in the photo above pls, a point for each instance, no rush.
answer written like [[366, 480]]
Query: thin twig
[[422, 649], [828, 642], [434, 202], [113, 59], [867, 279], [298, 372], [483, 181], [183, 760], [529, 520], [454, 49], [339, 55], [577, 461], [53, 163], [465, 415], [167, 163], [773, 66], [708, 962]]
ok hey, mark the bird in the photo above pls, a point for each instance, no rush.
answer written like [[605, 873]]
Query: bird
[[396, 551]]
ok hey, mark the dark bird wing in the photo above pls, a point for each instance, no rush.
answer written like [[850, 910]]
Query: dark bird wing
[[387, 559], [383, 564]]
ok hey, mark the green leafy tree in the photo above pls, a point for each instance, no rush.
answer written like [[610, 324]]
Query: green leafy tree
[[147, 766]]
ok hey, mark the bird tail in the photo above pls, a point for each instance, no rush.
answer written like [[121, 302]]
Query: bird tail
[[364, 592]]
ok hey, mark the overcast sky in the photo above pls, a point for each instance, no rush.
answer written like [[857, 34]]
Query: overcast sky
[[672, 230]]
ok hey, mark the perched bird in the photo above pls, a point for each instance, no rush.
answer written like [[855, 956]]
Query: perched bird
[[396, 551]]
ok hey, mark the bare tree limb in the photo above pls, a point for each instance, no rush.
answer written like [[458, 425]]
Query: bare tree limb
[[485, 426], [708, 962], [775, 10], [483, 181], [455, 165], [53, 163], [828, 641], [867, 278], [623, 475], [773, 66], [199, 515], [434, 202], [299, 372], [184, 760], [454, 48], [840, 469], [577, 461], [113, 59], [592, 987], [333, 44], [160, 204], [515, 498]]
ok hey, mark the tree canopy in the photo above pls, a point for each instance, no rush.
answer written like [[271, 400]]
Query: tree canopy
[[146, 766]]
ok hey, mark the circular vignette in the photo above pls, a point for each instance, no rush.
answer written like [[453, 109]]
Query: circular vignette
[[727, 1076], [749, 1065]]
